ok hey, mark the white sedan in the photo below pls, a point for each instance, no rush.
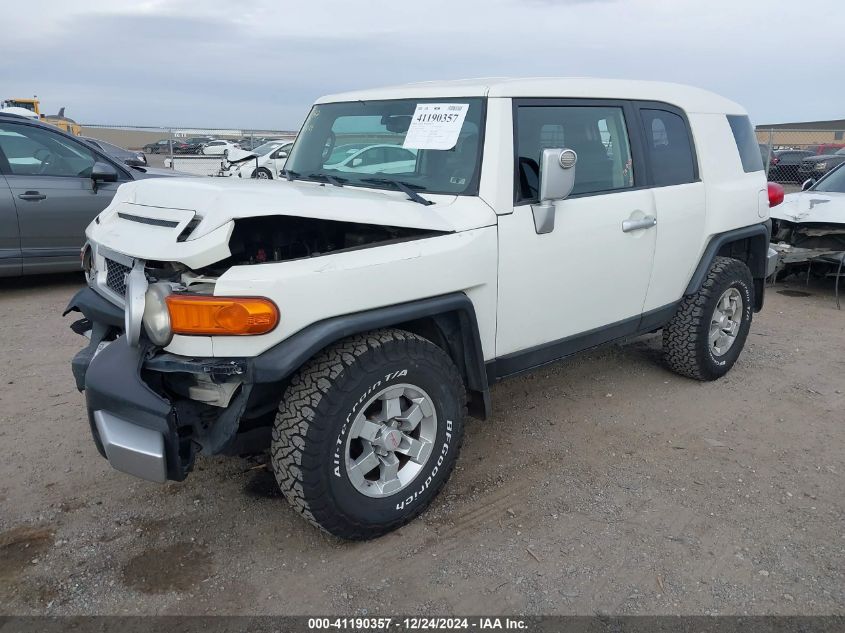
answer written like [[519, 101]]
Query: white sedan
[[218, 148], [264, 162], [372, 159]]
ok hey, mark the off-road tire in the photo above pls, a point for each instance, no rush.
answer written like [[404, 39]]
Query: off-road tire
[[685, 338], [309, 435]]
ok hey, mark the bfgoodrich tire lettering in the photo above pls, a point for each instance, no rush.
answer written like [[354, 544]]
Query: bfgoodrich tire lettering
[[687, 346], [312, 430]]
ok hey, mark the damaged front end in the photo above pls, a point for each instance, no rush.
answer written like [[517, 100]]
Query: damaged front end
[[810, 247], [154, 406]]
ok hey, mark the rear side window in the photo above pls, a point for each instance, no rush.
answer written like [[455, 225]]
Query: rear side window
[[668, 147], [746, 143]]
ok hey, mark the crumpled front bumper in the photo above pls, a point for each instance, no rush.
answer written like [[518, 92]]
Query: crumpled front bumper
[[134, 427], [138, 429]]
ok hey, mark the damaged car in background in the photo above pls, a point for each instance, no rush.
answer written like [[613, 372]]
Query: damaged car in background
[[808, 229]]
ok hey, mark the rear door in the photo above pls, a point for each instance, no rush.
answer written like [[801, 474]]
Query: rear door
[[49, 175], [10, 243]]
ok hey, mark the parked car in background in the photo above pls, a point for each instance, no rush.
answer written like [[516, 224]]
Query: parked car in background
[[119, 153], [386, 159], [825, 148], [52, 185], [263, 163], [784, 164], [808, 229], [164, 146], [194, 144], [217, 148], [818, 166]]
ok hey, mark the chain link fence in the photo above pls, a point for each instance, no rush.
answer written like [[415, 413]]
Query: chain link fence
[[191, 150], [794, 155]]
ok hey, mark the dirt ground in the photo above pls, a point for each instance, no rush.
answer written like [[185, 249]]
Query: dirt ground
[[605, 484]]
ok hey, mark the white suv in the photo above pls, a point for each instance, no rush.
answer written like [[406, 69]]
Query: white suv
[[349, 319]]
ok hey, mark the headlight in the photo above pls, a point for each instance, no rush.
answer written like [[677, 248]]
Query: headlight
[[821, 166], [156, 315]]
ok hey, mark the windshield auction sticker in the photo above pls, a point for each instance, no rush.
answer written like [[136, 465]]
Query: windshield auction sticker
[[436, 125]]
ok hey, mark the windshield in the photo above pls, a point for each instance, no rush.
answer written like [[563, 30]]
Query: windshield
[[834, 182], [266, 148], [431, 145]]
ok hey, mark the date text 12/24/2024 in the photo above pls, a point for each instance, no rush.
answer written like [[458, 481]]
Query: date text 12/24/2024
[[415, 624]]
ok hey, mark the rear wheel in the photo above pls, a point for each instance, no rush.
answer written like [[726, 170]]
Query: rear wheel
[[707, 333], [368, 433]]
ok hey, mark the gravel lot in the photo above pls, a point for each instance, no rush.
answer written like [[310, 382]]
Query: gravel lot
[[605, 484]]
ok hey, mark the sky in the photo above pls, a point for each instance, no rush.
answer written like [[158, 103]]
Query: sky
[[260, 63]]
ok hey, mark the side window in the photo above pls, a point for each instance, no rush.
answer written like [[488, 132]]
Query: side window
[[746, 143], [667, 144], [397, 154], [33, 151], [598, 135]]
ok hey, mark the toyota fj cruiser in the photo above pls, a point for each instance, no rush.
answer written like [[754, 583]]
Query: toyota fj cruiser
[[425, 242]]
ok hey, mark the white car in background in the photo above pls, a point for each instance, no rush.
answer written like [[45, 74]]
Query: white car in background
[[218, 148], [371, 159], [264, 162]]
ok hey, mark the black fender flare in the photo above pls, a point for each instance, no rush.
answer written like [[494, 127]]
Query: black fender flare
[[757, 237], [453, 314]]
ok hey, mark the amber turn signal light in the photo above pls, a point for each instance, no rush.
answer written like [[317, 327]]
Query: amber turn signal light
[[227, 316]]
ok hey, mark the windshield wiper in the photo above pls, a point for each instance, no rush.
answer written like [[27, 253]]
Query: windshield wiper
[[403, 187], [289, 174], [337, 182]]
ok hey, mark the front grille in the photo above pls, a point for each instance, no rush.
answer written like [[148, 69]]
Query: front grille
[[116, 277], [806, 166]]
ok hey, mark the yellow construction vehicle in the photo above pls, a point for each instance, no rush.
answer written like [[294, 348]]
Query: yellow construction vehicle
[[28, 104], [33, 105]]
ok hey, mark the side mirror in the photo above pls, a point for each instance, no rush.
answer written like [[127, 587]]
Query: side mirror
[[103, 172], [557, 179], [356, 162], [282, 154], [808, 183]]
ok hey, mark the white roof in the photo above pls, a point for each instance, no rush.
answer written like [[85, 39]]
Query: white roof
[[685, 97]]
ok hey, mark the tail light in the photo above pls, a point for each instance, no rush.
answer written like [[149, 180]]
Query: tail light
[[775, 194]]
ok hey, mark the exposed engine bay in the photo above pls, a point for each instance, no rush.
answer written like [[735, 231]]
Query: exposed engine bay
[[800, 244], [263, 240]]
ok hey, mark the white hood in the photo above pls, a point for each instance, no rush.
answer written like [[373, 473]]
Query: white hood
[[811, 206], [146, 218]]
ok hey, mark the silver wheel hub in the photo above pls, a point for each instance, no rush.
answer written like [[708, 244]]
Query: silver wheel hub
[[726, 321], [390, 440]]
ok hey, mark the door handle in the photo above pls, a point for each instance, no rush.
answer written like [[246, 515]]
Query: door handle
[[633, 225], [32, 195]]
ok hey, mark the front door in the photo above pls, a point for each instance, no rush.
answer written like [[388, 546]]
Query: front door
[[49, 176], [585, 282]]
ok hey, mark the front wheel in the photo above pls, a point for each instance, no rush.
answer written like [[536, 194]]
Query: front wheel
[[368, 433], [262, 173], [706, 336]]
